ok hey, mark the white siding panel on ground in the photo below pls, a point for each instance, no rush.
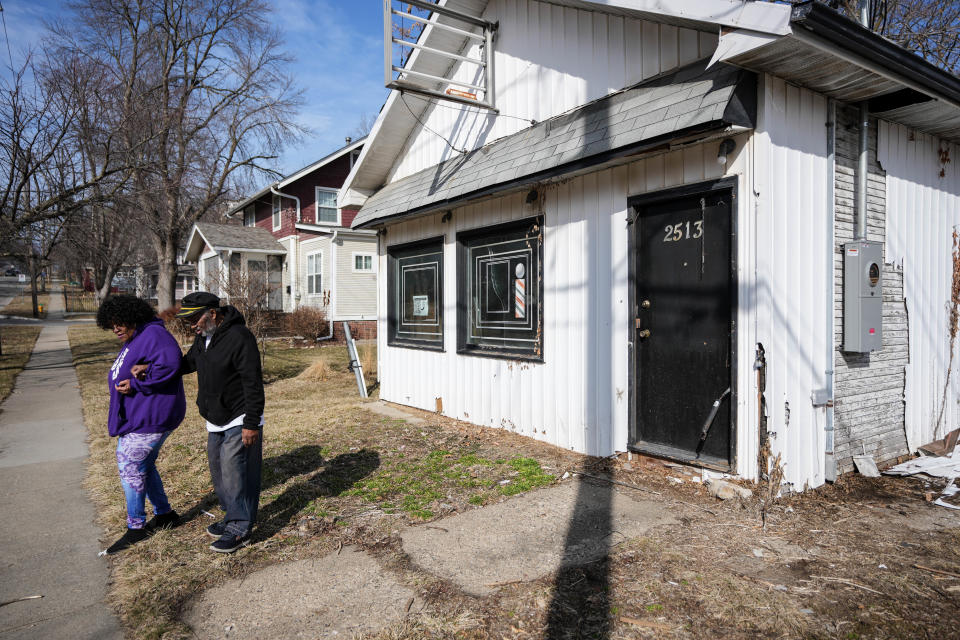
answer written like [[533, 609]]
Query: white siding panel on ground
[[578, 397], [549, 60], [923, 212], [791, 225]]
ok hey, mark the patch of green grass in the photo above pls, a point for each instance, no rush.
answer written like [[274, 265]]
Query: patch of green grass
[[654, 607], [531, 475], [414, 484]]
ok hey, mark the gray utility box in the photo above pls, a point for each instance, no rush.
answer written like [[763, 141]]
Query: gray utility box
[[862, 297]]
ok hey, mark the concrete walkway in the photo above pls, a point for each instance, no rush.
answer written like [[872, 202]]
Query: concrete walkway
[[48, 539]]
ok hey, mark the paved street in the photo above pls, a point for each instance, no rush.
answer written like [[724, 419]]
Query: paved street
[[48, 539]]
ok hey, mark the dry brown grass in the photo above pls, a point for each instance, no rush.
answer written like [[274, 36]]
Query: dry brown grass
[[368, 360], [18, 343], [333, 473], [319, 371], [22, 305], [336, 474]]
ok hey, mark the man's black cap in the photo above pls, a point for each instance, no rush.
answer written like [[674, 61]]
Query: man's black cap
[[197, 302]]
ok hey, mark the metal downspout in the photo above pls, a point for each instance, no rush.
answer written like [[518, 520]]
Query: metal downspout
[[830, 462], [860, 224], [333, 271], [273, 190]]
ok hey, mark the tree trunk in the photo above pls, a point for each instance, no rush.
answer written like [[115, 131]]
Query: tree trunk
[[101, 289], [33, 286], [166, 274]]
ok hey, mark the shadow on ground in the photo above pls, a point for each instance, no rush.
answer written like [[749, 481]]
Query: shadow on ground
[[580, 607], [328, 478]]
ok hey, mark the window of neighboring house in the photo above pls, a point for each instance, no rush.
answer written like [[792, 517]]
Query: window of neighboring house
[[249, 216], [276, 212], [315, 273], [499, 289], [415, 294], [327, 212], [363, 263]]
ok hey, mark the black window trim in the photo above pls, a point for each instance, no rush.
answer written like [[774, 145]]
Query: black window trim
[[407, 343], [462, 296]]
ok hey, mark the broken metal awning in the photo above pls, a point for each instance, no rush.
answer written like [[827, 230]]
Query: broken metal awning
[[679, 104]]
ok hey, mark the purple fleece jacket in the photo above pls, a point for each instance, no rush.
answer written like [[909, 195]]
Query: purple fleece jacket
[[157, 404]]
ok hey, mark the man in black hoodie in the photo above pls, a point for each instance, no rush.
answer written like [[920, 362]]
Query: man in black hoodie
[[230, 397]]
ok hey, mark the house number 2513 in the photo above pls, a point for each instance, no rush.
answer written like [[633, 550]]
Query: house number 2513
[[691, 229]]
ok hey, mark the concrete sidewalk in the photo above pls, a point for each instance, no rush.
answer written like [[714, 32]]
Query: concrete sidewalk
[[48, 539]]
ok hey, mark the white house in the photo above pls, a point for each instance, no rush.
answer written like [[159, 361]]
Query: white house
[[638, 214]]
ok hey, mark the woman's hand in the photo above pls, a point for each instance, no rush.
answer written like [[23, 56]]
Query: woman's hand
[[124, 387], [139, 371]]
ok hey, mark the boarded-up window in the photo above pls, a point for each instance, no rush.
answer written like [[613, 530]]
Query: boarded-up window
[[499, 286], [415, 294]]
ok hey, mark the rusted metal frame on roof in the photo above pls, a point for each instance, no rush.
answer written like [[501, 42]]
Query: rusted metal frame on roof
[[451, 13], [402, 86], [428, 76], [485, 62], [439, 52], [439, 25]]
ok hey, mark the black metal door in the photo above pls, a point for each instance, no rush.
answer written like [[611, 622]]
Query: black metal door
[[683, 326]]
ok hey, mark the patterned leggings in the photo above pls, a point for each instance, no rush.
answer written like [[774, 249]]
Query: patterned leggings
[[136, 459]]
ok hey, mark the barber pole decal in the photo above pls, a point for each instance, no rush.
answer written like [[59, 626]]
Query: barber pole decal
[[520, 296]]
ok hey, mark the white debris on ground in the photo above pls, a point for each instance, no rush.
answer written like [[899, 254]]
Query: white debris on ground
[[946, 466]]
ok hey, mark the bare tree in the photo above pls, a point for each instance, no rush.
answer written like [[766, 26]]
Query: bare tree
[[929, 28], [204, 99], [44, 175], [364, 125]]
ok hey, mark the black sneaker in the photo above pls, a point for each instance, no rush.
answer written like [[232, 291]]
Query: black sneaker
[[165, 521], [128, 539], [217, 529], [229, 543]]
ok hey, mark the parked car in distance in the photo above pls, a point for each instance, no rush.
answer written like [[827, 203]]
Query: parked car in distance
[[12, 271]]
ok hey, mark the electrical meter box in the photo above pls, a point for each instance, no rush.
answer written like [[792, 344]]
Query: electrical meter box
[[862, 297]]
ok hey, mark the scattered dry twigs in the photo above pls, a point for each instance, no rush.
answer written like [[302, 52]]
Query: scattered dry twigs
[[848, 582], [939, 571]]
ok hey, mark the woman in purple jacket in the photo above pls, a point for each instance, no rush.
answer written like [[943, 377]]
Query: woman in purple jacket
[[142, 412]]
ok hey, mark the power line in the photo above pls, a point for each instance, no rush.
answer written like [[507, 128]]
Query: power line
[[6, 37], [403, 99]]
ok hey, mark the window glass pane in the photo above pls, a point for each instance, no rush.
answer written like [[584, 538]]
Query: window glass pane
[[501, 284], [326, 206], [314, 266], [276, 211], [414, 293]]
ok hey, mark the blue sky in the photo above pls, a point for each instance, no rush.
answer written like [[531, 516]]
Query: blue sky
[[338, 46]]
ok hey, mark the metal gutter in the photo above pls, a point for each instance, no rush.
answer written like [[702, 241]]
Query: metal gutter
[[820, 26], [830, 461]]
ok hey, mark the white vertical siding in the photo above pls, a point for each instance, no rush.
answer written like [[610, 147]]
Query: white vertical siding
[[549, 59], [923, 212], [578, 397], [792, 220]]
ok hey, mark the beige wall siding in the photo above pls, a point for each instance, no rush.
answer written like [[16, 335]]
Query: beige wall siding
[[356, 292], [308, 247]]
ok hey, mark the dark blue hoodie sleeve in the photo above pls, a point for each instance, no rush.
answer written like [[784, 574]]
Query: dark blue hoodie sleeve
[[161, 351]]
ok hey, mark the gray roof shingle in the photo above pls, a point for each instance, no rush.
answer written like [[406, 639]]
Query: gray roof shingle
[[231, 236], [692, 98]]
